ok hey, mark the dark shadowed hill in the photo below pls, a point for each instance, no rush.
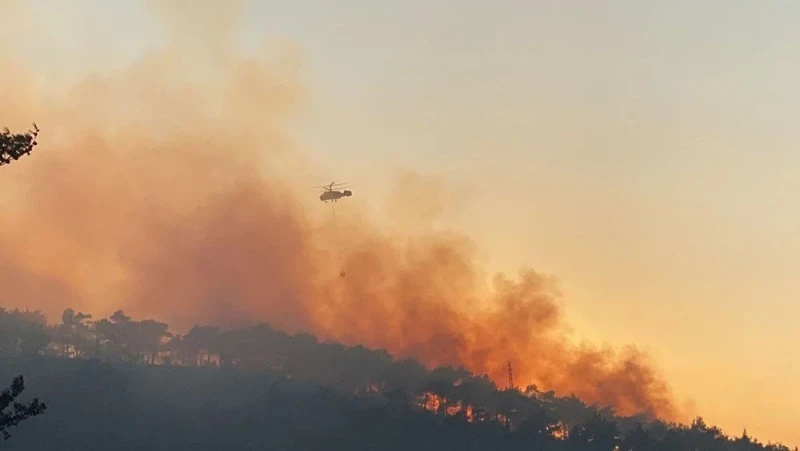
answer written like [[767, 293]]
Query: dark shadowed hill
[[123, 384]]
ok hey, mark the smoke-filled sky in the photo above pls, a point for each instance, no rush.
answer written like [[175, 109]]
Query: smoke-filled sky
[[636, 160]]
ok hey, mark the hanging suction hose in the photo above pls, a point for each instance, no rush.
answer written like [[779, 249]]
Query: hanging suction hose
[[336, 240]]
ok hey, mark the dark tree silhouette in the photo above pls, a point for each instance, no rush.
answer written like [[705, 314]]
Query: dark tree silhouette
[[15, 145], [12, 412], [22, 332], [26, 339]]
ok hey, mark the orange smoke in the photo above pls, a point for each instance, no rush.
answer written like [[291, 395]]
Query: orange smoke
[[169, 190]]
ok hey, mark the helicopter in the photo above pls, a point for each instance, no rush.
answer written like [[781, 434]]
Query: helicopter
[[331, 194]]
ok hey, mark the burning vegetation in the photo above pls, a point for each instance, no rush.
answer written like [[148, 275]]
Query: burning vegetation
[[317, 392]]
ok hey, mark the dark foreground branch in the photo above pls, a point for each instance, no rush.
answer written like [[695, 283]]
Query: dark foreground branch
[[15, 145], [11, 412]]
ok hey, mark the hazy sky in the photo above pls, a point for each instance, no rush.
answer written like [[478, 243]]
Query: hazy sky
[[644, 153]]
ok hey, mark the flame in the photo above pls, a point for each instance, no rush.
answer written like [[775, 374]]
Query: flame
[[561, 432], [438, 404], [435, 403]]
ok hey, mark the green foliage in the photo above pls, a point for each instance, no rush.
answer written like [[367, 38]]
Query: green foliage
[[15, 145]]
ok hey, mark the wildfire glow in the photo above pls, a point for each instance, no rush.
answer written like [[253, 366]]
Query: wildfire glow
[[177, 196]]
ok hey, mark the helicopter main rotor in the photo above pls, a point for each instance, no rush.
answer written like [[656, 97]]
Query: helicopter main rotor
[[332, 186]]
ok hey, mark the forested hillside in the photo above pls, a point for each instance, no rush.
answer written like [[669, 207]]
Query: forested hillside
[[120, 383]]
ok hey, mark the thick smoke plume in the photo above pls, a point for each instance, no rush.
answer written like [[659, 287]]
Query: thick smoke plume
[[168, 189]]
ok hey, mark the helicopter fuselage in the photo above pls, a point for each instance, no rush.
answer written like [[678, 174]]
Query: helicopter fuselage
[[334, 195]]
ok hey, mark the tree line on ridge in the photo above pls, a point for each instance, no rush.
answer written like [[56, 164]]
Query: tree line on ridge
[[444, 401]]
